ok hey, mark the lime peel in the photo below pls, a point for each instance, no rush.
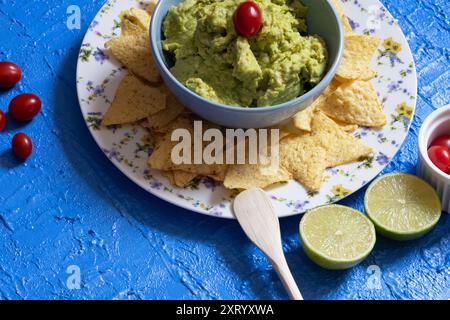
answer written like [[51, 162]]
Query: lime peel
[[337, 237], [402, 206]]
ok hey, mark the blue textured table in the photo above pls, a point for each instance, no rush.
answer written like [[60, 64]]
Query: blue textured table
[[67, 211]]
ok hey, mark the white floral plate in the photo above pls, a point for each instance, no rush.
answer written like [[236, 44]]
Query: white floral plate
[[128, 147]]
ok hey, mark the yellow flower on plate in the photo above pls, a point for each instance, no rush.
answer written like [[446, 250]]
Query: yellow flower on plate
[[396, 47], [147, 140], [404, 110], [388, 43], [340, 191], [392, 45]]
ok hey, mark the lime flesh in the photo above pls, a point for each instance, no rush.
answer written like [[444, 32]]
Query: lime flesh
[[336, 237], [402, 206]]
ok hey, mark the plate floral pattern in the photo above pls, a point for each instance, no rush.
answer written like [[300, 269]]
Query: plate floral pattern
[[129, 147]]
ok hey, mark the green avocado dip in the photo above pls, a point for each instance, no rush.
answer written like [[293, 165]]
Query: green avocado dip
[[279, 64]]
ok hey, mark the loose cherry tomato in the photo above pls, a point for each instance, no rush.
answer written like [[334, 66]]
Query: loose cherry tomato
[[22, 146], [10, 74], [440, 156], [443, 141], [24, 107], [248, 19], [2, 120]]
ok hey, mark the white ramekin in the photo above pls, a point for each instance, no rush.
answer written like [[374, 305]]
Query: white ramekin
[[437, 124]]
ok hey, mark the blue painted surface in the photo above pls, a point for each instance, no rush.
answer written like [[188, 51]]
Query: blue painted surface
[[68, 205]]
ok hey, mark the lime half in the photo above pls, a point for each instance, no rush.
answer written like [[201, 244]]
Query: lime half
[[337, 237], [402, 206]]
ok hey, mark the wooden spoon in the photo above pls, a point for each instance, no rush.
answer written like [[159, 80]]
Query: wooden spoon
[[259, 221]]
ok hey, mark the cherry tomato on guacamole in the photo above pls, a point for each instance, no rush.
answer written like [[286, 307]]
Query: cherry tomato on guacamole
[[2, 120], [443, 141], [440, 156], [24, 107], [248, 19], [22, 146], [10, 74]]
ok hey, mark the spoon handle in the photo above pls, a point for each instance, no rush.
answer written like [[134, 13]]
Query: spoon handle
[[282, 269]]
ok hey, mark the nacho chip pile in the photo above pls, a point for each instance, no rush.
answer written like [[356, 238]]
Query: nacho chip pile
[[317, 138]]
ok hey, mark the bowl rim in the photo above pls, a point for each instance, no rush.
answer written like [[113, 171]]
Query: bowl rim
[[311, 94], [424, 134]]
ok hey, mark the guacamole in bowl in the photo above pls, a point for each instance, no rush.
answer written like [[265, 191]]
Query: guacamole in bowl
[[280, 63]]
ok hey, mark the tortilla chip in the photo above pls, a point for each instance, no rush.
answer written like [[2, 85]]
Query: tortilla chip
[[344, 20], [248, 176], [303, 119], [169, 176], [304, 160], [182, 179], [141, 18], [160, 121], [346, 25], [150, 6], [135, 100], [161, 156], [341, 147], [218, 178], [349, 128], [358, 52], [355, 103], [307, 156], [132, 49], [179, 178]]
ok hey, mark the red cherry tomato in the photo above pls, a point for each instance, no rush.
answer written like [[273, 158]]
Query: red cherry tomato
[[2, 120], [248, 19], [443, 141], [440, 156], [24, 107], [22, 146], [10, 74]]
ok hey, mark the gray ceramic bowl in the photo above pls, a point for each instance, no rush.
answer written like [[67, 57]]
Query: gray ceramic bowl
[[322, 19]]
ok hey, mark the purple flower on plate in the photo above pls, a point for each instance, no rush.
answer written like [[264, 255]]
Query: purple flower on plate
[[297, 205], [209, 183], [156, 185], [93, 25], [100, 56], [216, 212], [393, 86], [98, 90], [113, 154], [381, 15], [382, 159], [300, 205], [353, 24], [364, 131], [406, 121], [333, 171]]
